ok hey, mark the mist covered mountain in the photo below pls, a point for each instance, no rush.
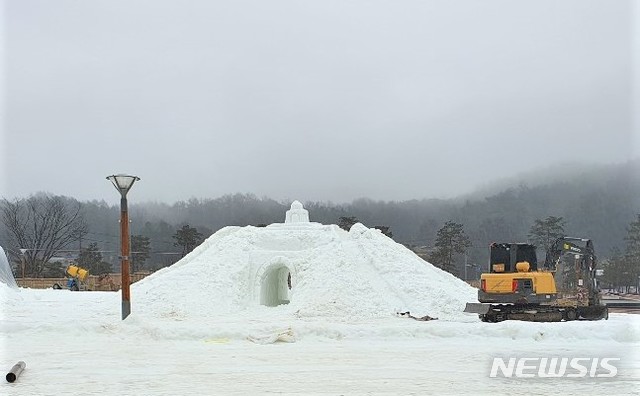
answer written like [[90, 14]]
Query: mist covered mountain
[[596, 201]]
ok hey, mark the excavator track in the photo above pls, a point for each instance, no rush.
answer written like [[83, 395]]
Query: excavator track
[[540, 313]]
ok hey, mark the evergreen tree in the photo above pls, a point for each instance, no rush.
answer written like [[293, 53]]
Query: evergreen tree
[[632, 256], [140, 251], [612, 267], [544, 232], [347, 222], [633, 239], [450, 240], [90, 259], [187, 238], [386, 230]]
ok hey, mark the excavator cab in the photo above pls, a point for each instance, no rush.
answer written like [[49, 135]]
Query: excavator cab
[[504, 257], [514, 276]]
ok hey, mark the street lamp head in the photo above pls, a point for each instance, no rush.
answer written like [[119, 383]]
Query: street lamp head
[[122, 182]]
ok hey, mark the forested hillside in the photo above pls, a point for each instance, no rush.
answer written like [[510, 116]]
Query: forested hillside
[[598, 204]]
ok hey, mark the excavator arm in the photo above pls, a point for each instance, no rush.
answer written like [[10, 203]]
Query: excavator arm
[[583, 251], [567, 245]]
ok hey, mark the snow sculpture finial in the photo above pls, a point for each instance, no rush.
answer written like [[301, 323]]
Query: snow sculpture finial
[[297, 214]]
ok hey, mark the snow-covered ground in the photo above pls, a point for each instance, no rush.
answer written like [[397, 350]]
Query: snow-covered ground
[[211, 324], [75, 343]]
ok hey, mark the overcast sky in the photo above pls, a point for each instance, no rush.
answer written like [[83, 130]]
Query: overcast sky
[[310, 100]]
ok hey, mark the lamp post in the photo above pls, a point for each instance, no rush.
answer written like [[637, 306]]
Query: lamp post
[[22, 263], [123, 184], [465, 266]]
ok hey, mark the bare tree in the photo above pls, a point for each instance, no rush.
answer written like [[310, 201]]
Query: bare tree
[[43, 225]]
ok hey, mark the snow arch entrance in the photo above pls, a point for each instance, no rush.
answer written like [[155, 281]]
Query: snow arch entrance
[[275, 285]]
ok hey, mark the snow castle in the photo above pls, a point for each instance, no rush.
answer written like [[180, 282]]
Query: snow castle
[[305, 269]]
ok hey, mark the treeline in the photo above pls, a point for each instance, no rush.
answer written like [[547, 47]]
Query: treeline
[[599, 205]]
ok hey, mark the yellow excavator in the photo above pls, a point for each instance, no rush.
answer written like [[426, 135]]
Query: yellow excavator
[[564, 288]]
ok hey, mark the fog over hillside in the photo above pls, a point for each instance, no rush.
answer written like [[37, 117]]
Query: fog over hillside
[[596, 201], [563, 172]]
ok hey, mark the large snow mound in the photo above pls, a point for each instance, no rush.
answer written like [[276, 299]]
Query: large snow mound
[[6, 275], [335, 274]]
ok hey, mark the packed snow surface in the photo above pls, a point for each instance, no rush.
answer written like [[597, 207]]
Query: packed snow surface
[[75, 343], [217, 322]]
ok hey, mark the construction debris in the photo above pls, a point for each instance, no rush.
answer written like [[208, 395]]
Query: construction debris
[[422, 318]]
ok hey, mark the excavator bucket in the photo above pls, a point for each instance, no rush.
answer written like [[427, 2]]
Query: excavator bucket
[[477, 308]]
